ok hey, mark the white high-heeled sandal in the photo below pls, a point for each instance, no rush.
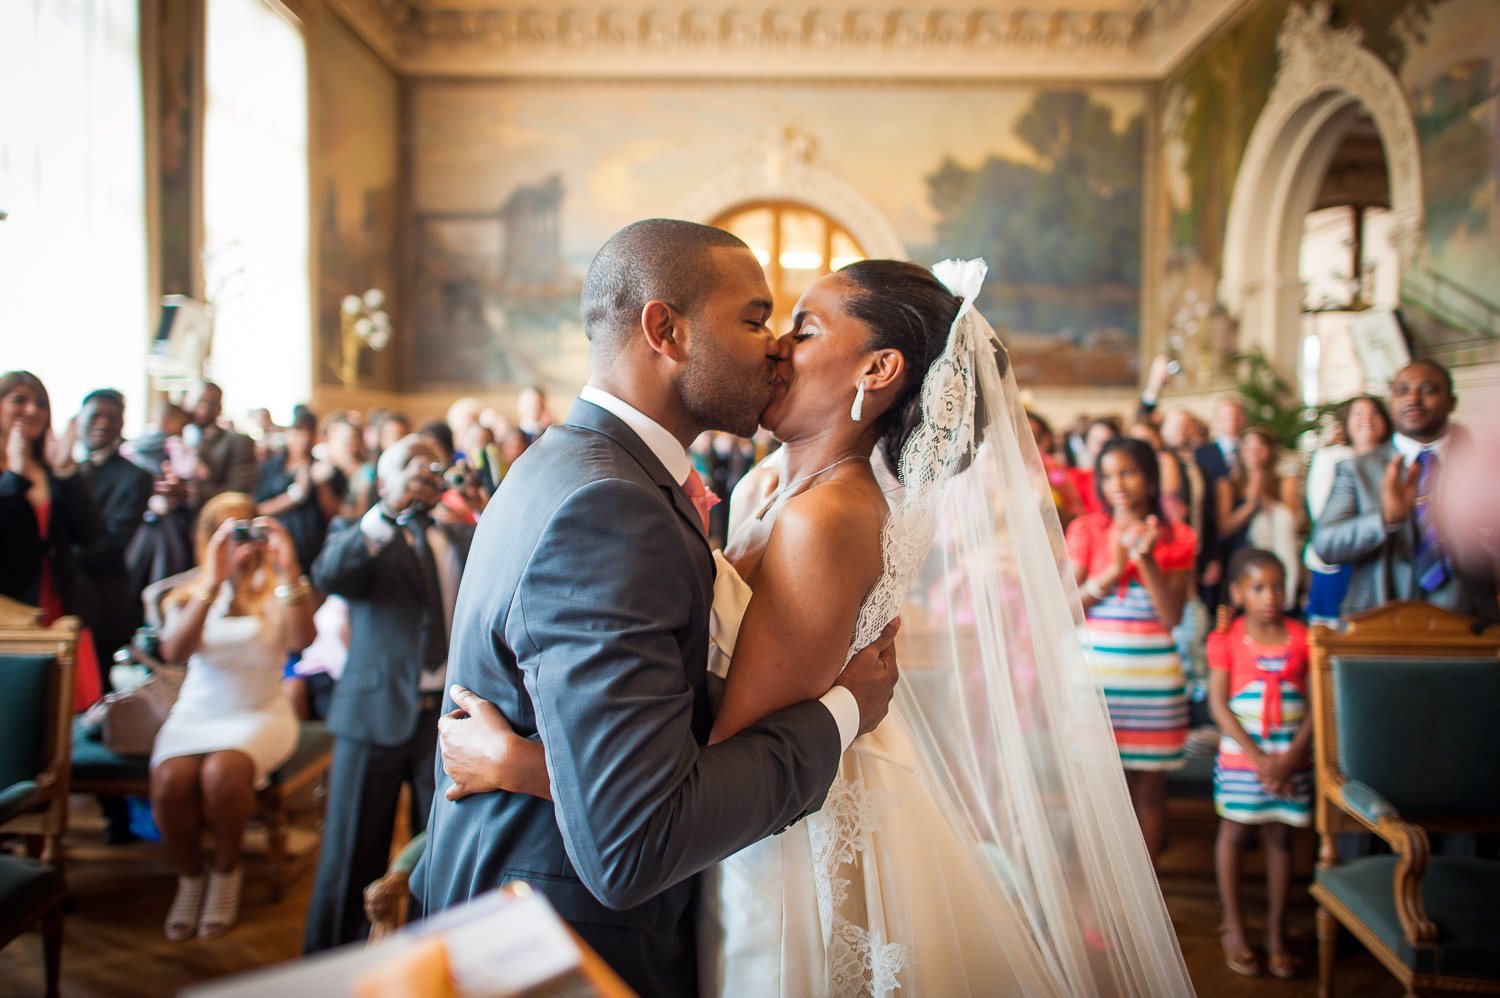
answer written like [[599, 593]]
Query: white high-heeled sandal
[[221, 906], [182, 918]]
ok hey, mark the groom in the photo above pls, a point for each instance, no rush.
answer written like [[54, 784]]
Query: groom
[[583, 615]]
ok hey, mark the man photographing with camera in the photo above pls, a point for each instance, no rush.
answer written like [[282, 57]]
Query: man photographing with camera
[[398, 569]]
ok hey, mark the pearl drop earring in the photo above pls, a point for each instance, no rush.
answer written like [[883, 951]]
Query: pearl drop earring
[[859, 403]]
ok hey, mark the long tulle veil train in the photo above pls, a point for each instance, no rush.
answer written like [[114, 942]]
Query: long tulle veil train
[[1010, 731]]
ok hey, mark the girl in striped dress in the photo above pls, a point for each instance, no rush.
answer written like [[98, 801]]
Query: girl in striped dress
[[1258, 692], [1134, 567]]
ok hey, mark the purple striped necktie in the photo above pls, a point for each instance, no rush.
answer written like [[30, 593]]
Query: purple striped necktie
[[1430, 563]]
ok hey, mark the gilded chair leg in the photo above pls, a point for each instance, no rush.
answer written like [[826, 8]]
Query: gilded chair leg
[[1328, 944], [52, 940]]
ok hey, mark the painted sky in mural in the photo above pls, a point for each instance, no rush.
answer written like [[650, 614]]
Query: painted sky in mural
[[515, 186]]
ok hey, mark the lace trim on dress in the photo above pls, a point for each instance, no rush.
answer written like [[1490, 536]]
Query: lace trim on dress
[[859, 963]]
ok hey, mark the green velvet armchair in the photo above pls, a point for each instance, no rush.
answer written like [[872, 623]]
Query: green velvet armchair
[[31, 891], [36, 706], [1406, 742]]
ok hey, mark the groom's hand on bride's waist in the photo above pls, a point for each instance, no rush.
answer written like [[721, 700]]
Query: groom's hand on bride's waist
[[871, 676]]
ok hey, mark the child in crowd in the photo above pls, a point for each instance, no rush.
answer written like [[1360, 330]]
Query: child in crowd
[[1133, 566], [1258, 693]]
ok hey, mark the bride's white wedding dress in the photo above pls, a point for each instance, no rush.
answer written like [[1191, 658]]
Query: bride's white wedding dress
[[871, 893], [981, 841]]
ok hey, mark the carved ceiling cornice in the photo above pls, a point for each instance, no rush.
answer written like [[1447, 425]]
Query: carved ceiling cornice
[[1040, 39]]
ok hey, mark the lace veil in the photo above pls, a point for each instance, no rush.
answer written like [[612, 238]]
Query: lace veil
[[1007, 723]]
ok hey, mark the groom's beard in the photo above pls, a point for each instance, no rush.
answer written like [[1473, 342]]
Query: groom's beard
[[720, 398]]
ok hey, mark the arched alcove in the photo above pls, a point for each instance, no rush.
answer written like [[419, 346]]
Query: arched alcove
[[781, 167], [1326, 81]]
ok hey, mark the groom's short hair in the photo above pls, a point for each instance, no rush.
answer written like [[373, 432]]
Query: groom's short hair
[[660, 259]]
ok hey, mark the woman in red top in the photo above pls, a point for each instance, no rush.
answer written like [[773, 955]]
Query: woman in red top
[[1133, 568], [45, 509]]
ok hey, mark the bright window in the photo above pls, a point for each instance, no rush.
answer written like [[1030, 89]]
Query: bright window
[[796, 244], [73, 306], [255, 207]]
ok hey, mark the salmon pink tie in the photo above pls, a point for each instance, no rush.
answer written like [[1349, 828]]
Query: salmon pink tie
[[703, 497]]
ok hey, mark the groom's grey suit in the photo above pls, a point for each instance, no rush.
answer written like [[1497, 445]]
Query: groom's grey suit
[[583, 615]]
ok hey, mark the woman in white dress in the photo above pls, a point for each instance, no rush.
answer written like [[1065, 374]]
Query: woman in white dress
[[232, 724], [1261, 508], [979, 841]]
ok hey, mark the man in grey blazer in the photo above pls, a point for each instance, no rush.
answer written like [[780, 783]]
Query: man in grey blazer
[[583, 615], [1379, 514]]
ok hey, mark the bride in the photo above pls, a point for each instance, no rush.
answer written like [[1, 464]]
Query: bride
[[980, 841]]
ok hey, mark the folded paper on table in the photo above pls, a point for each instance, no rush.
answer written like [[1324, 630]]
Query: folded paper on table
[[503, 944]]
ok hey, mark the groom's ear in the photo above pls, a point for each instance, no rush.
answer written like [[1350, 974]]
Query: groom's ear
[[885, 370], [663, 330]]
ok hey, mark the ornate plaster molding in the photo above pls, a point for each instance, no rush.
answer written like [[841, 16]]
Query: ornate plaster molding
[[1057, 39], [1323, 70], [782, 166]]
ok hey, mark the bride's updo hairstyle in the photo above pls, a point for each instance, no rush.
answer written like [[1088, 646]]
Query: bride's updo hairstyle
[[909, 310]]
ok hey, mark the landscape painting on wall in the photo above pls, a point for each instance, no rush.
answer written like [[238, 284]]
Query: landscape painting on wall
[[516, 185]]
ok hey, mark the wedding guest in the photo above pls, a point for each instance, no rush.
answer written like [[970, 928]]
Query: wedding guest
[[1263, 776], [153, 450], [531, 407], [398, 570], [265, 433], [392, 427], [1216, 458], [45, 511], [1099, 433], [345, 450], [1380, 513], [1064, 495], [462, 415], [512, 445], [1133, 567], [1173, 495], [121, 492], [482, 456], [232, 725], [1178, 427], [440, 439], [1364, 425], [226, 458], [303, 493], [1253, 508]]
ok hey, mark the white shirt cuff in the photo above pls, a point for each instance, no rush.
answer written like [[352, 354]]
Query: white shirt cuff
[[378, 531], [845, 710]]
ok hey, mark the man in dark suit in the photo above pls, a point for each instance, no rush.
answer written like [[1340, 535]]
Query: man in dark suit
[[1379, 516], [121, 491], [399, 572], [584, 619], [1216, 459], [227, 456]]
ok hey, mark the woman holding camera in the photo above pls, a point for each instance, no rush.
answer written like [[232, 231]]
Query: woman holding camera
[[231, 725]]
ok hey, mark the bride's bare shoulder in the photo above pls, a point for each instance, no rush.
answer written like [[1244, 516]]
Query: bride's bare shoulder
[[839, 520]]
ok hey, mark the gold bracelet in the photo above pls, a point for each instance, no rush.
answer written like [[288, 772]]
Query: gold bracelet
[[205, 595], [299, 592]]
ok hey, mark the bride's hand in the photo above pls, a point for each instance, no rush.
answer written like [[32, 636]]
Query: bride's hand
[[481, 752]]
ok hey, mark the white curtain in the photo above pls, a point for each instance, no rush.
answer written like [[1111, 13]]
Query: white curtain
[[255, 207], [73, 306]]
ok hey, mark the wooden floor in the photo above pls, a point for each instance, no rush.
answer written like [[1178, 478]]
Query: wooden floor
[[114, 947]]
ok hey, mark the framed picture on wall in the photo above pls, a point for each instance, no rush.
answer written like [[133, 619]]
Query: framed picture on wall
[[1380, 343]]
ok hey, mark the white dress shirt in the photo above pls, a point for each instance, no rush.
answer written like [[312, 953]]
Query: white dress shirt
[[1410, 449], [669, 451]]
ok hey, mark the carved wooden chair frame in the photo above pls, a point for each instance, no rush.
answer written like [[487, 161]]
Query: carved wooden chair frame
[[22, 633], [1400, 628]]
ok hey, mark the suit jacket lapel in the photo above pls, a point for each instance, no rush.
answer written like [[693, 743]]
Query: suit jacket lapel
[[587, 416]]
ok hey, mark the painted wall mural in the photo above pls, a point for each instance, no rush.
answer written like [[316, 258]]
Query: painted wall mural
[[516, 185], [354, 190], [1446, 53]]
